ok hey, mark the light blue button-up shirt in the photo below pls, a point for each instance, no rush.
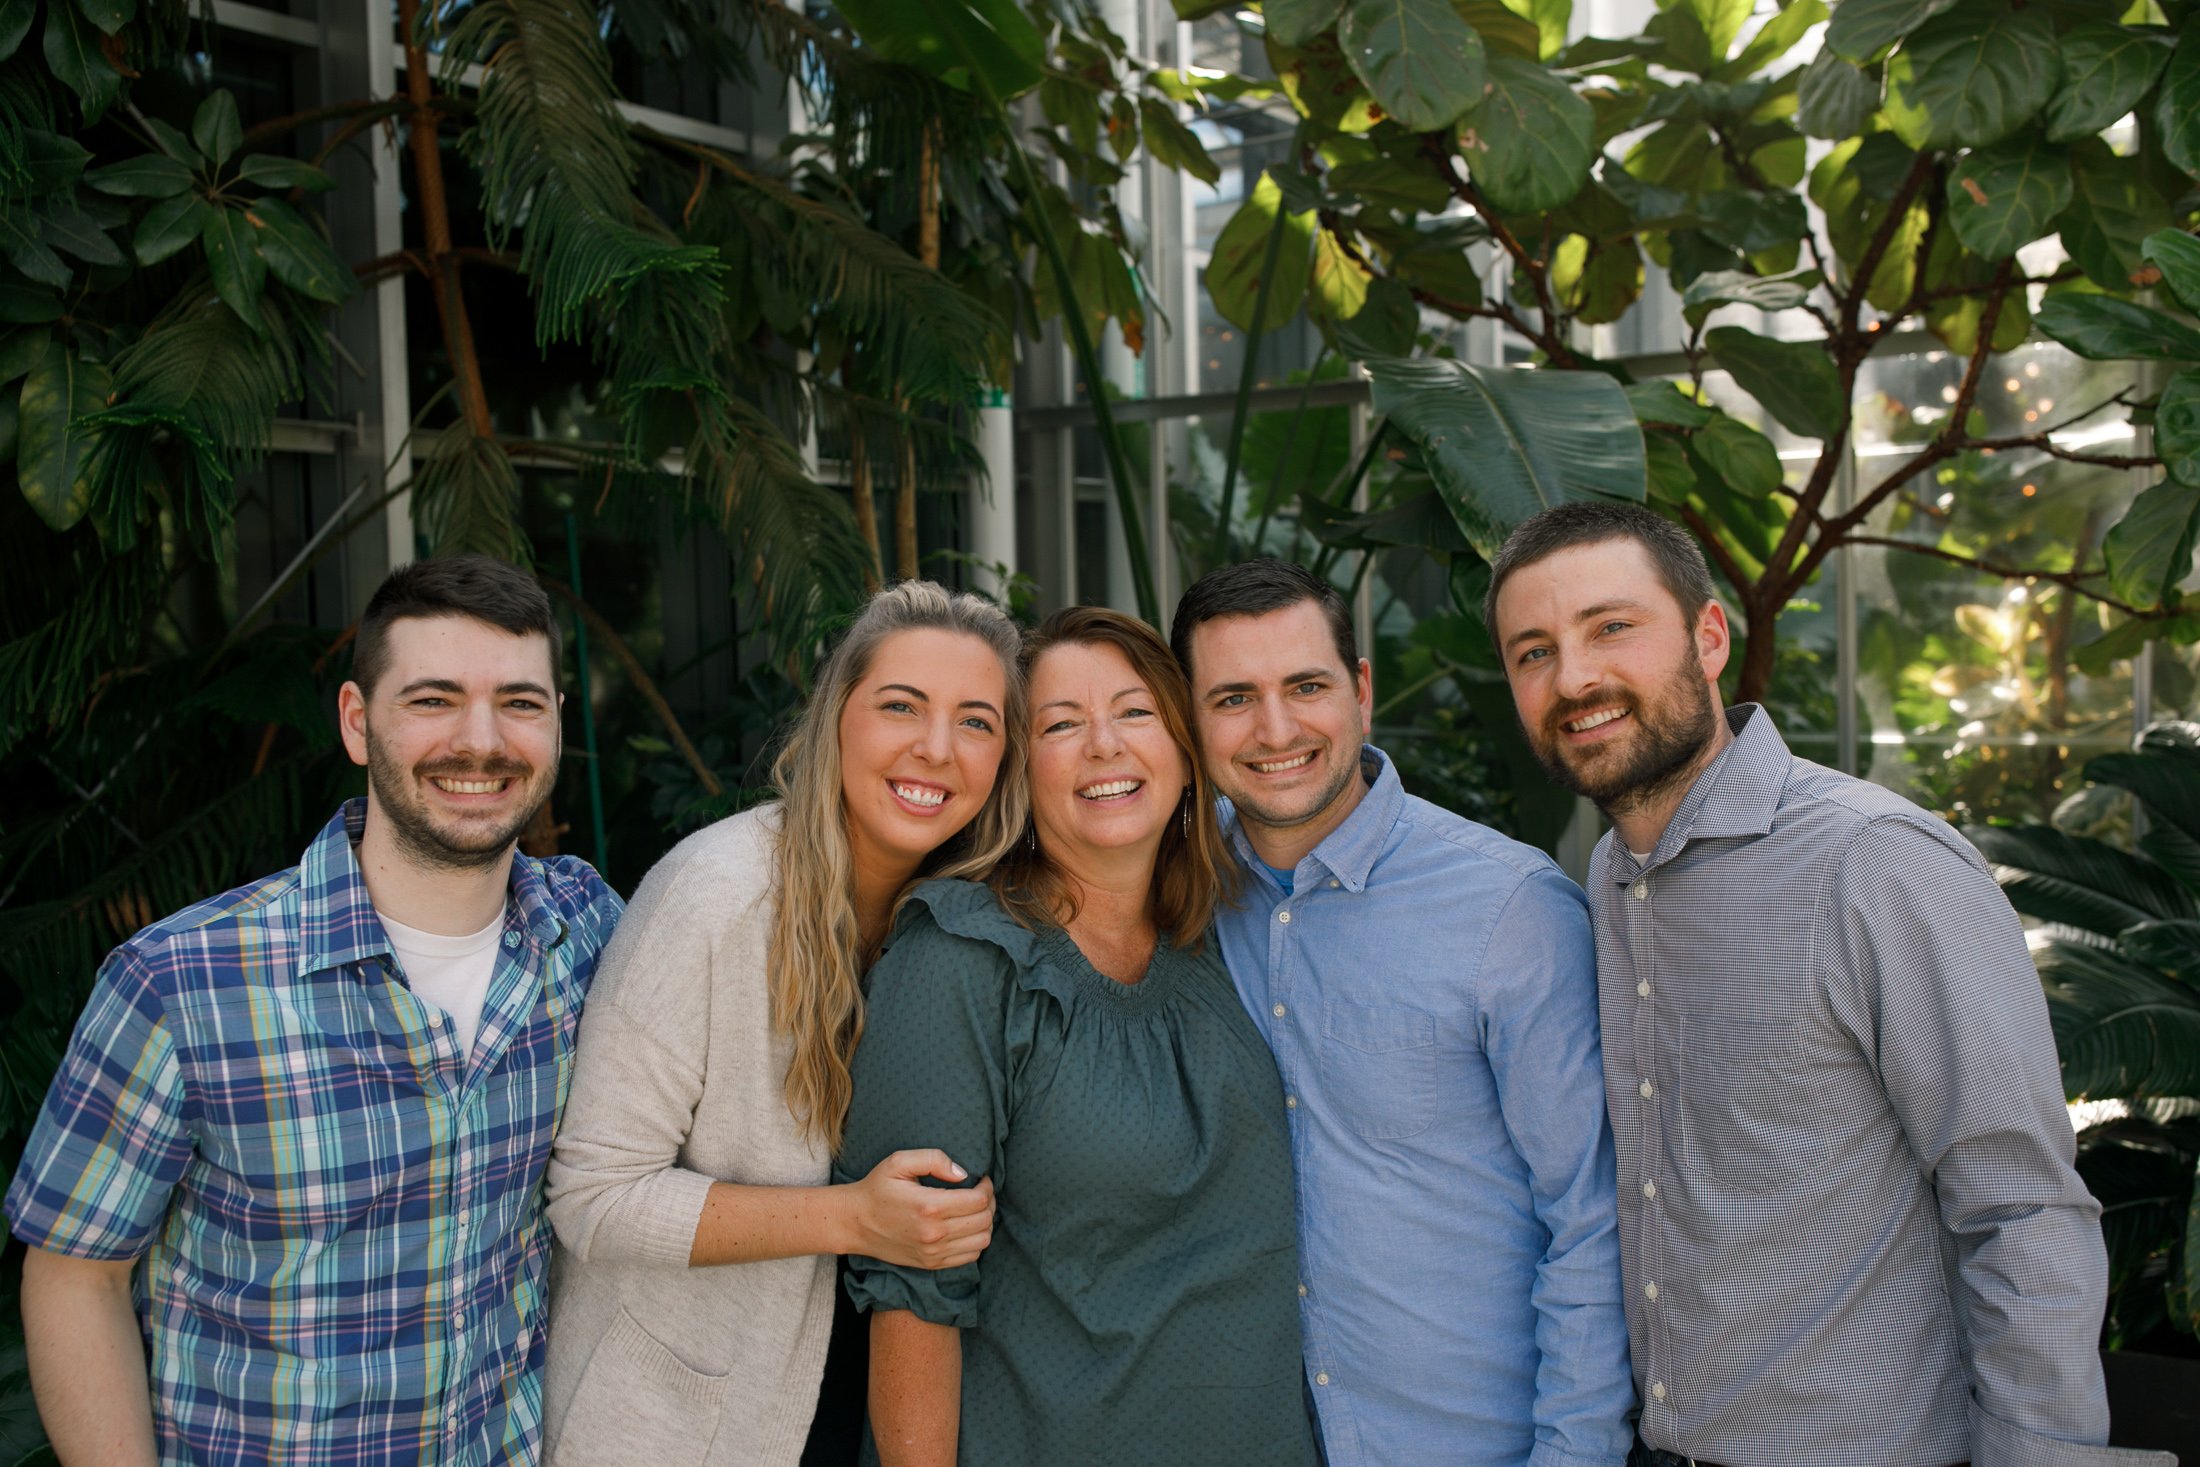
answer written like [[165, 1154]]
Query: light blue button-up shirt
[[1429, 990]]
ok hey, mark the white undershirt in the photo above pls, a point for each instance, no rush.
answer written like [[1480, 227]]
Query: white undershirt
[[449, 973]]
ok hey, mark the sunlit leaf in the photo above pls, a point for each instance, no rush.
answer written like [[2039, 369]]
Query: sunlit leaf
[[1234, 272], [2114, 207], [2149, 550], [2106, 69], [1422, 63], [1972, 77], [1718, 288], [1529, 142], [50, 459], [2004, 197]]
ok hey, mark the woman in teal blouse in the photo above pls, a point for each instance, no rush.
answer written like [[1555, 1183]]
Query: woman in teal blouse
[[1071, 1023]]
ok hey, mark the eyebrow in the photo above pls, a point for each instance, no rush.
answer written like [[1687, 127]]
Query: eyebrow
[[1119, 696], [1587, 613], [448, 685], [923, 697]]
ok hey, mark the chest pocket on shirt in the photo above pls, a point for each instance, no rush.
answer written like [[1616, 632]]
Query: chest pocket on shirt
[[1746, 1102], [1378, 1068]]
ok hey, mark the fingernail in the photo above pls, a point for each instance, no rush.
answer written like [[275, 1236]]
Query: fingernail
[[956, 1167]]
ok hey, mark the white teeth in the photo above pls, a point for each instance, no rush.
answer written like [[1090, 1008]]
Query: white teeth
[[917, 794], [1595, 720], [1280, 766], [1112, 788], [470, 786]]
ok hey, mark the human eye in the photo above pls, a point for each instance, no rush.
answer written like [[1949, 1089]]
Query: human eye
[[982, 725], [1135, 711], [525, 705], [1059, 725], [1310, 687], [897, 705], [1533, 654], [1231, 700], [1613, 626]]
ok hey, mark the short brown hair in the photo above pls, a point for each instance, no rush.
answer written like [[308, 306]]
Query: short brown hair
[[469, 585], [1255, 588], [1193, 872], [1675, 553]]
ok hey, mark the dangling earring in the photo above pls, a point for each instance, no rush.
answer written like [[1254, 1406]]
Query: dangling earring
[[1187, 812], [1031, 838]]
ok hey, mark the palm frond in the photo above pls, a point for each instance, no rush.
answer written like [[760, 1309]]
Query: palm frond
[[2083, 882], [2124, 1031], [466, 496], [57, 652]]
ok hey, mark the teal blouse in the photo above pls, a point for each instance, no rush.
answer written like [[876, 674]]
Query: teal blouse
[[1139, 1302]]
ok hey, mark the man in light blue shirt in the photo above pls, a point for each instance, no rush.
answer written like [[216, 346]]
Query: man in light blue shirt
[[1428, 987]]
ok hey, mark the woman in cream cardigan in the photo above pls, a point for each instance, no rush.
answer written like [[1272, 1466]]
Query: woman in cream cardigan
[[692, 1285]]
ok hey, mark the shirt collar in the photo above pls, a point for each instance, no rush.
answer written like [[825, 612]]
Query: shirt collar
[[337, 920], [1737, 794], [1350, 851]]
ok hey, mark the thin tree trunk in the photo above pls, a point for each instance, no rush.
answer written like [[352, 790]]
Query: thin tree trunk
[[435, 226], [928, 250], [859, 487], [1759, 646]]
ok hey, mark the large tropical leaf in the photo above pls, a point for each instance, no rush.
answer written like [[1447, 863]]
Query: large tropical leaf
[[1795, 380], [2103, 329], [2114, 208], [2177, 427], [1417, 58], [2149, 550], [1972, 77], [1530, 140], [2106, 69], [1246, 244], [2166, 781], [2078, 881], [1862, 28], [985, 46], [2006, 196], [1504, 445], [2174, 947], [51, 467], [2123, 1030], [2177, 104]]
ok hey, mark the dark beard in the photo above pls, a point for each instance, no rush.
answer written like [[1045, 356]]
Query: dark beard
[[1668, 745], [418, 837]]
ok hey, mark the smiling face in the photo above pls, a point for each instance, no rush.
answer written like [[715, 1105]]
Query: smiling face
[[1616, 687], [921, 739], [1281, 723], [1106, 775], [459, 736]]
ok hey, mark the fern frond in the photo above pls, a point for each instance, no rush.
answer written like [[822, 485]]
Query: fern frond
[[466, 497], [57, 651]]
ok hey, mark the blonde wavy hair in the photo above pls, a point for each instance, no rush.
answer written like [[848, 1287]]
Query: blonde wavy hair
[[817, 955]]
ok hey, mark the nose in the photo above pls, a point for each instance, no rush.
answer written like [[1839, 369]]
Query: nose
[[1578, 674], [1103, 740], [478, 732], [1273, 724], [936, 739]]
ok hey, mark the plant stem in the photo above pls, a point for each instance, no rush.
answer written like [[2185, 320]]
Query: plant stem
[[1245, 381], [435, 226]]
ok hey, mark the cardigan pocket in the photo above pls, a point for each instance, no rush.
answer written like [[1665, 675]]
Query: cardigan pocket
[[639, 1402]]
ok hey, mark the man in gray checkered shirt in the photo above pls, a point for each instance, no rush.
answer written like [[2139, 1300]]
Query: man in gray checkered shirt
[[1850, 1225]]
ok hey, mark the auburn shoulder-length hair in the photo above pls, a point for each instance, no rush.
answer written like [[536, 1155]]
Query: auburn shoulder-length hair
[[817, 956], [1194, 871]]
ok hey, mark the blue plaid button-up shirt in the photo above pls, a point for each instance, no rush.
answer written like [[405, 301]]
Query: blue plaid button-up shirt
[[340, 1214]]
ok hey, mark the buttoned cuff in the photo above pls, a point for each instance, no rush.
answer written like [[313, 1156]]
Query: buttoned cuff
[[1546, 1455], [1998, 1443]]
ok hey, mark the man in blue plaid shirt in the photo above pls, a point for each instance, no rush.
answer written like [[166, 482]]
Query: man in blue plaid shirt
[[284, 1199]]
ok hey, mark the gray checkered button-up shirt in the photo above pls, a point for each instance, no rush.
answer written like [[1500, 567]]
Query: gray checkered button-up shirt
[[1851, 1228]]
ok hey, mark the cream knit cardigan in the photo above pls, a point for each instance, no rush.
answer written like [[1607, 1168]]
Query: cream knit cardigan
[[676, 1084]]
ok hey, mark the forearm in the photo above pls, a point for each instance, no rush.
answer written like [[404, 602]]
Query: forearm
[[746, 1224], [916, 1390], [87, 1360]]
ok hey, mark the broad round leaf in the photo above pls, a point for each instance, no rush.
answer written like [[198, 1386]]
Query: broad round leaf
[[168, 227], [1530, 141], [1707, 292], [153, 176], [1860, 29], [1662, 402], [1835, 97], [1970, 78], [1234, 272], [1795, 380], [2006, 196], [1339, 283], [2150, 549], [2106, 69], [1737, 456], [109, 15], [1596, 283], [216, 129], [1503, 445], [1418, 59], [1172, 144], [1295, 22], [2177, 428], [2114, 207], [2177, 255], [2102, 328], [2177, 105], [296, 253], [1321, 85], [50, 460]]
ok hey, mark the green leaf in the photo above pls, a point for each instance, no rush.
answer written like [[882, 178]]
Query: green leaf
[[2004, 197], [152, 176], [1503, 445], [1295, 22], [2177, 428], [50, 460], [1392, 183], [11, 425], [1752, 223], [270, 171], [2102, 328], [1835, 98], [20, 242], [1321, 84], [1774, 39], [52, 162], [1737, 456], [1449, 273], [1721, 21], [2150, 549], [2114, 207], [239, 272], [1530, 141], [168, 226], [2177, 104], [1339, 283], [74, 57], [1795, 380], [1386, 325], [2077, 881], [19, 352], [1956, 319], [1662, 402], [174, 144], [1596, 283], [298, 256], [1174, 145], [2122, 1030], [69, 228], [109, 15], [1687, 45], [1233, 273], [2174, 947], [21, 305], [1421, 62], [15, 24], [2177, 255], [1861, 29], [2106, 69], [2167, 782], [1506, 27], [215, 128], [1972, 77], [1553, 23], [1716, 288]]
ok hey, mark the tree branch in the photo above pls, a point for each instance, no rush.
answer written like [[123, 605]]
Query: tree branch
[[2072, 580], [1554, 346], [643, 683], [1720, 556]]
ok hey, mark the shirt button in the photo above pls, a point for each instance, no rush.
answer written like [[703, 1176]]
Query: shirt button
[[1639, 890], [1649, 1189], [1333, 883], [1647, 1089], [1657, 1388], [1322, 1378], [1290, 1102], [1279, 1011], [458, 1320], [1649, 1291], [1302, 1291], [511, 939], [435, 1018], [1643, 989], [1284, 917]]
